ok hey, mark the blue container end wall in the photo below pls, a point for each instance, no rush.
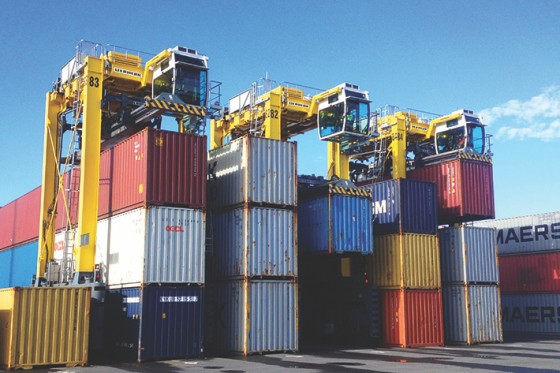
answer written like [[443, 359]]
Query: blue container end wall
[[404, 206], [341, 225], [156, 323], [18, 265]]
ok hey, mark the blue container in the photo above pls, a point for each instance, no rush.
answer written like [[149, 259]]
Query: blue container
[[335, 220], [404, 206], [155, 323], [18, 265]]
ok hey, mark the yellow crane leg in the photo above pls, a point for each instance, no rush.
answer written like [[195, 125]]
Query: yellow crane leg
[[84, 251], [398, 149], [273, 113], [216, 133], [339, 163], [51, 150]]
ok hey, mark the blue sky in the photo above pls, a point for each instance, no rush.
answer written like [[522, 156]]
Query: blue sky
[[499, 58]]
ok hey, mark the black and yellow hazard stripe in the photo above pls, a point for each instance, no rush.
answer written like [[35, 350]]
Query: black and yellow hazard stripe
[[345, 191], [176, 108], [475, 157]]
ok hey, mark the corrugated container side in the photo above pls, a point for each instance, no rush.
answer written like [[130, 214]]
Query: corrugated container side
[[412, 318], [155, 245], [7, 225], [44, 326], [253, 170], [468, 255], [335, 224], [18, 265], [404, 206], [531, 313], [465, 189], [153, 168], [255, 241], [531, 273], [471, 314], [157, 323], [28, 210], [526, 234], [257, 316], [406, 260]]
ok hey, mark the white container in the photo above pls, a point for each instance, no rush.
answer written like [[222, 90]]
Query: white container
[[471, 314], [526, 234], [252, 170], [468, 255], [255, 241], [154, 245]]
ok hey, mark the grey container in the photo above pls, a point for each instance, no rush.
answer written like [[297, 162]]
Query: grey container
[[471, 314], [468, 255], [531, 313], [526, 234], [256, 316], [255, 241], [252, 170]]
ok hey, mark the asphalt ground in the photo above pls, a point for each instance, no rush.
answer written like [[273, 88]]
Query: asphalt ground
[[515, 355]]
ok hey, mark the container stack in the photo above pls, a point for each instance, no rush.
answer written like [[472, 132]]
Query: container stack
[[252, 194], [529, 258], [150, 244], [406, 262], [471, 297], [335, 236]]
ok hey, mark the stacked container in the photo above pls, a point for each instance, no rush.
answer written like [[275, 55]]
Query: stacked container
[[252, 194], [471, 297], [406, 262], [150, 243], [465, 189], [529, 258]]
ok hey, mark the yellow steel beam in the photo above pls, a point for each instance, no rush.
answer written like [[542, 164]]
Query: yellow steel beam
[[398, 148], [273, 115], [51, 149], [339, 163], [84, 252]]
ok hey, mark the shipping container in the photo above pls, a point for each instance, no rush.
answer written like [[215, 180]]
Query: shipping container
[[465, 189], [19, 220], [404, 206], [255, 241], [155, 322], [471, 314], [255, 316], [253, 170], [468, 255], [412, 318], [335, 219], [153, 167], [18, 265], [407, 260], [44, 326], [145, 246], [531, 313], [526, 234], [530, 273]]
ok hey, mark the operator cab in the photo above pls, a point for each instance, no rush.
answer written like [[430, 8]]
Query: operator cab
[[460, 131], [182, 78], [344, 116]]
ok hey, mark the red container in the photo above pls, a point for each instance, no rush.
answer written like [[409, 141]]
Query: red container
[[465, 189], [153, 167], [531, 273], [412, 318], [28, 210], [7, 225]]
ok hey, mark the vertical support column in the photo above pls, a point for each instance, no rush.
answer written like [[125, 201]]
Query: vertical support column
[[49, 190], [398, 148], [84, 253], [339, 163], [216, 133], [272, 115]]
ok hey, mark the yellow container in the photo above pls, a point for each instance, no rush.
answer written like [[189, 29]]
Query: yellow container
[[408, 260], [44, 326]]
